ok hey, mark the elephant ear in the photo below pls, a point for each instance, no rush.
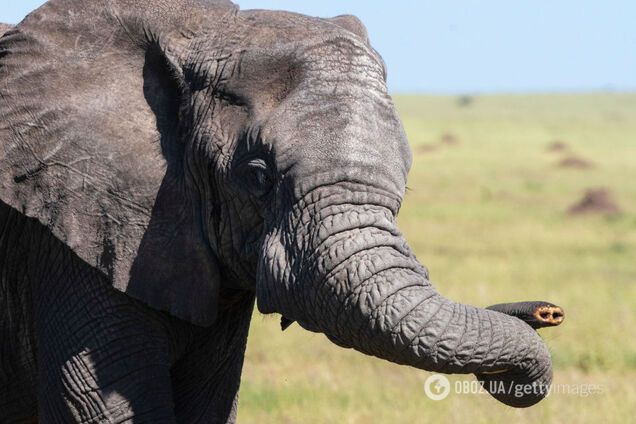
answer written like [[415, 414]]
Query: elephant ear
[[90, 98], [352, 24]]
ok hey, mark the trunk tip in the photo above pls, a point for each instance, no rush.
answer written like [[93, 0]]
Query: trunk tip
[[549, 316]]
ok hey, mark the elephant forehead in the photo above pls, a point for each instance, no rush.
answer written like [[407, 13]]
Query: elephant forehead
[[355, 135], [337, 70], [261, 27], [269, 40], [316, 43]]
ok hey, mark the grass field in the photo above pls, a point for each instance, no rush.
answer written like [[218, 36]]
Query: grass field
[[487, 213]]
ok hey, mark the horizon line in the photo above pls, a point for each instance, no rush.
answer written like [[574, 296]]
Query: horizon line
[[453, 93]]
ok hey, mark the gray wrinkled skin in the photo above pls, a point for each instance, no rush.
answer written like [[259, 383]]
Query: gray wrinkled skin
[[165, 163], [4, 28]]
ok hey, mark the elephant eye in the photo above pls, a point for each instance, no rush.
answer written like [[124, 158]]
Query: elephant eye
[[257, 176]]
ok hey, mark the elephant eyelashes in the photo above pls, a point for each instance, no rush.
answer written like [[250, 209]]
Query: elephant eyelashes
[[257, 176]]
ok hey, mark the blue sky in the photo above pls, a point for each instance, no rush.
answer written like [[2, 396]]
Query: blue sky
[[475, 46]]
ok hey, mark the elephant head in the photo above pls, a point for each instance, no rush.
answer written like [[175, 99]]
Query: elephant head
[[187, 149]]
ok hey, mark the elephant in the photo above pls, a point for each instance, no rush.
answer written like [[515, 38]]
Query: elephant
[[167, 165], [4, 28]]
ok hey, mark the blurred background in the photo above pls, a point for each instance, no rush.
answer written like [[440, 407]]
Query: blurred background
[[522, 121]]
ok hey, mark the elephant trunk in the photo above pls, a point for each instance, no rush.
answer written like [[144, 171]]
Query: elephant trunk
[[350, 275]]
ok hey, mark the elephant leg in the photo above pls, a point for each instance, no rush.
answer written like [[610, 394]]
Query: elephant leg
[[206, 379], [102, 356], [18, 368], [17, 401]]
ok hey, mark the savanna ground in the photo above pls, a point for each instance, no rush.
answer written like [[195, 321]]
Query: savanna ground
[[487, 213]]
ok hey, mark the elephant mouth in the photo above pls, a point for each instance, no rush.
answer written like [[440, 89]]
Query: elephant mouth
[[494, 372], [285, 322]]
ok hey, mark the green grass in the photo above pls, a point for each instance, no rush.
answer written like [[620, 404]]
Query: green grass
[[488, 216]]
